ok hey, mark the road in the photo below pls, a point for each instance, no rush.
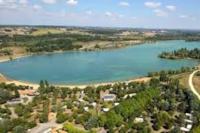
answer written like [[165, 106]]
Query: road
[[41, 128], [191, 84]]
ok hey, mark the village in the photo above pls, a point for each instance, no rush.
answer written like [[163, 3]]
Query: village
[[52, 109]]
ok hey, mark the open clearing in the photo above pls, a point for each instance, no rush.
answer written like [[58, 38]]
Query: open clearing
[[196, 82], [183, 79], [44, 31]]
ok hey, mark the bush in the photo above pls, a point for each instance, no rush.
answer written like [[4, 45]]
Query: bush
[[61, 117], [70, 128]]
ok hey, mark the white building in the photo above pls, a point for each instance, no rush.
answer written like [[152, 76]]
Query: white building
[[105, 109], [129, 95], [188, 123], [109, 97], [94, 104], [116, 104], [139, 120], [15, 101], [86, 109]]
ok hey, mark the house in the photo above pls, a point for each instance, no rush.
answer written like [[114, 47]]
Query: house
[[109, 97], [183, 129], [139, 120], [81, 100], [80, 95], [132, 94], [116, 104], [86, 109], [103, 93], [94, 104], [105, 109], [106, 96], [188, 123], [125, 97], [15, 101], [188, 115], [129, 95], [27, 92], [111, 89]]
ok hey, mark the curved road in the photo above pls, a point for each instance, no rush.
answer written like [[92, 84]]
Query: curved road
[[191, 84]]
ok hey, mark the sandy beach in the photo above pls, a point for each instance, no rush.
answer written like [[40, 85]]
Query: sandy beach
[[6, 58], [35, 86]]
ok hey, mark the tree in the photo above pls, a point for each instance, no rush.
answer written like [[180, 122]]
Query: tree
[[113, 119], [19, 110], [19, 129], [102, 120], [61, 117], [91, 123], [5, 126], [177, 130], [154, 82], [196, 130], [42, 85], [70, 128], [4, 96], [43, 118], [163, 76]]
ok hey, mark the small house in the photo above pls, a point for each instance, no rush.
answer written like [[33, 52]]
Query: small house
[[106, 96], [105, 109], [15, 101], [86, 109], [116, 104], [109, 97], [188, 123], [139, 120], [27, 92]]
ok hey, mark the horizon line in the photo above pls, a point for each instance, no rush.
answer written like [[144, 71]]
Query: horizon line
[[110, 27]]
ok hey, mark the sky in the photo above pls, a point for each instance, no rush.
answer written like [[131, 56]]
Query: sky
[[171, 14]]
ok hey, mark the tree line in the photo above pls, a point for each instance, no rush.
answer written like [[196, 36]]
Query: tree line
[[181, 53]]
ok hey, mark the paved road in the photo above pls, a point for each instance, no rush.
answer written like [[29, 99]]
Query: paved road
[[41, 128], [191, 84]]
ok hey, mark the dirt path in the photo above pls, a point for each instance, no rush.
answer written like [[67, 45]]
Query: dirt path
[[41, 128], [191, 84]]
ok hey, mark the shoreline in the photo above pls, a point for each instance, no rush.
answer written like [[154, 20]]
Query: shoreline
[[35, 86], [4, 79], [8, 80], [26, 54], [15, 57]]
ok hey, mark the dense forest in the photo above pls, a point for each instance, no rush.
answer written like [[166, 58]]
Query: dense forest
[[181, 53], [46, 43]]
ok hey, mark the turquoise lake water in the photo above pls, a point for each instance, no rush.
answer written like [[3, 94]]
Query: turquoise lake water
[[98, 66]]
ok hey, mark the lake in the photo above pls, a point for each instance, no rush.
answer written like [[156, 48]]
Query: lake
[[97, 66]]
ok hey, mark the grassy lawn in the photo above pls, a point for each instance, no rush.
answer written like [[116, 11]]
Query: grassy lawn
[[196, 82], [16, 52], [183, 78]]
